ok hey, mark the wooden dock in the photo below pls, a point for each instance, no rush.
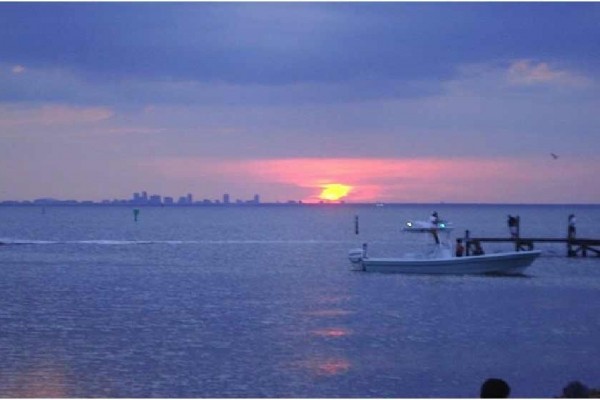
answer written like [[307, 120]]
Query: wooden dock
[[574, 246]]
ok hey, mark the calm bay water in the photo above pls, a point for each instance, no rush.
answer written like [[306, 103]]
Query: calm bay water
[[260, 302]]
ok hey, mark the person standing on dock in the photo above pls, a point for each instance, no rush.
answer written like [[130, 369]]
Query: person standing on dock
[[571, 231], [513, 224], [435, 220]]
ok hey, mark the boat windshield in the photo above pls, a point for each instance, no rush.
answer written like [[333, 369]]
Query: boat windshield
[[440, 233]]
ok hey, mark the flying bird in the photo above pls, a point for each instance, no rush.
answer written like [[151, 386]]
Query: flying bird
[[554, 156]]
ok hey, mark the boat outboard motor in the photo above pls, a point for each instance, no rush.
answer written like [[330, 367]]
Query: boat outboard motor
[[356, 256]]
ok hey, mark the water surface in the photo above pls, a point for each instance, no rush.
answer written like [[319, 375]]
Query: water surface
[[260, 302]]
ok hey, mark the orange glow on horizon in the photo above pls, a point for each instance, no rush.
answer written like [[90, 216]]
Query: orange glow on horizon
[[334, 191], [427, 179]]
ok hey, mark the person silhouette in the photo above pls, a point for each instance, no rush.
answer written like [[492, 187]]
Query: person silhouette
[[571, 231], [434, 219], [513, 224], [575, 390], [460, 249], [494, 388]]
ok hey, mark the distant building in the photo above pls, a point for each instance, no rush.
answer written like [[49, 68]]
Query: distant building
[[168, 201], [226, 198], [155, 200], [256, 199], [190, 199], [140, 198]]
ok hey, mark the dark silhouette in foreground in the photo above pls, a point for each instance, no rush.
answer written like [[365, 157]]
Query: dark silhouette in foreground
[[576, 390], [494, 388]]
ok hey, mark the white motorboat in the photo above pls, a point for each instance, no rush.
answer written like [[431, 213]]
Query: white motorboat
[[440, 259]]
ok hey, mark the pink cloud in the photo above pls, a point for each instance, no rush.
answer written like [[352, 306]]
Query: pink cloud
[[49, 115], [18, 69], [527, 72]]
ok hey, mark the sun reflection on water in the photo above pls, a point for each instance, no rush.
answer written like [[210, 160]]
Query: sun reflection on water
[[329, 313], [325, 366], [331, 332], [41, 382]]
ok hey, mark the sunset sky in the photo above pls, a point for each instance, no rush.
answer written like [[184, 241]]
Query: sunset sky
[[398, 102]]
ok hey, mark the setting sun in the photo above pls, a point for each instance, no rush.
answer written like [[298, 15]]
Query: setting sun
[[334, 191]]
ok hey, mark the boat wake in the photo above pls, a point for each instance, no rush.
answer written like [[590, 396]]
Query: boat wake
[[4, 241]]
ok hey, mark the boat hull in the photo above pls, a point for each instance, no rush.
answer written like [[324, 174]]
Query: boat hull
[[510, 263]]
